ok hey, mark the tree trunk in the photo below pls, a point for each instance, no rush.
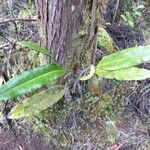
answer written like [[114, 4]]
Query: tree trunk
[[59, 22]]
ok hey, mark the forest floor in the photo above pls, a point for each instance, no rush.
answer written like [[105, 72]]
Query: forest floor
[[119, 119]]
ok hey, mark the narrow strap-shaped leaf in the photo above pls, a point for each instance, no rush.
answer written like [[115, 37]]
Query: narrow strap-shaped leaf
[[125, 59], [132, 73], [30, 80], [36, 103], [33, 46], [28, 75]]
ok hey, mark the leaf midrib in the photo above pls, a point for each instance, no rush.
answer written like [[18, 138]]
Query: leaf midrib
[[120, 60], [31, 80]]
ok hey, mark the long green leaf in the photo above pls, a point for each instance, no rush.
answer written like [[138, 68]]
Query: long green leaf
[[132, 73], [30, 80], [36, 103], [33, 46], [126, 58]]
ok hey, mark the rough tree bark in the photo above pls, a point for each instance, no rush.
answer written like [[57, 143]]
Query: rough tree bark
[[59, 21]]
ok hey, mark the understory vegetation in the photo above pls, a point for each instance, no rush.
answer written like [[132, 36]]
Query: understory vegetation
[[46, 106]]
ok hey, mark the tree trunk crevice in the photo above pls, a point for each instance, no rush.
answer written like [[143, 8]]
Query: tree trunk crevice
[[58, 21]]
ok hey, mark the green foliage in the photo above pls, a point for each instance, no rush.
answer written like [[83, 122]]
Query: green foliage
[[28, 11], [137, 8], [132, 73], [90, 74], [33, 46], [125, 59], [120, 65], [31, 2], [104, 40], [131, 17], [38, 48], [37, 103], [112, 132], [128, 18], [30, 80]]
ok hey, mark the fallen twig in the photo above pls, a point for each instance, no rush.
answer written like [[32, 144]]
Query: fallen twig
[[4, 45], [17, 19]]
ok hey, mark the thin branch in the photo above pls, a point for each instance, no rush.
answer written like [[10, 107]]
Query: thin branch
[[1, 34], [10, 5], [116, 9], [17, 19], [4, 45]]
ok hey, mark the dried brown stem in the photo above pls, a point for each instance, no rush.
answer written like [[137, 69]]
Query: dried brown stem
[[4, 45], [17, 19]]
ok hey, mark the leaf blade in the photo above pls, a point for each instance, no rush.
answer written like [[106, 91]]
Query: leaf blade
[[36, 103], [30, 80], [90, 74], [33, 46], [132, 73], [126, 58]]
